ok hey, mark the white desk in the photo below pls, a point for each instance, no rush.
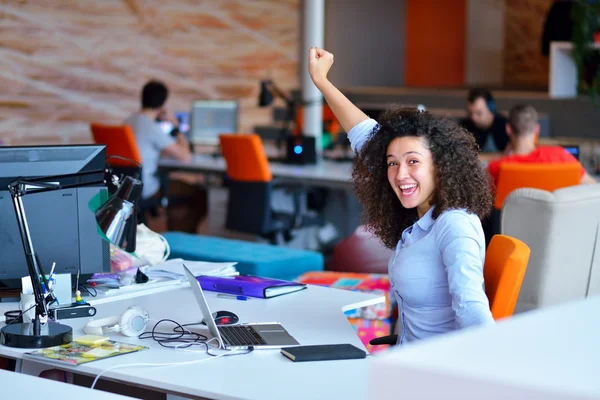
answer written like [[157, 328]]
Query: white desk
[[328, 174], [312, 316], [549, 353], [21, 386]]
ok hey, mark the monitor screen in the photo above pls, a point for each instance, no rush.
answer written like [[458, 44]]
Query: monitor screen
[[184, 121], [62, 226], [573, 149], [210, 118]]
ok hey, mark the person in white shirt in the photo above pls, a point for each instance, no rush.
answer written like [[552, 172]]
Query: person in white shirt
[[187, 200]]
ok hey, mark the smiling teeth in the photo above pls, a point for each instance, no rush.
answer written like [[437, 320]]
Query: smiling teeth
[[404, 187]]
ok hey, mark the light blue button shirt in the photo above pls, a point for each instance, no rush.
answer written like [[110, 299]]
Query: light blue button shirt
[[436, 271]]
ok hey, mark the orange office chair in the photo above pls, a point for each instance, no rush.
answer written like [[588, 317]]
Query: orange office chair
[[120, 141], [506, 261], [251, 186], [503, 271], [548, 177]]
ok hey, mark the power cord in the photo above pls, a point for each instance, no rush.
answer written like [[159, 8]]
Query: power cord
[[15, 318], [179, 336], [182, 338], [90, 290]]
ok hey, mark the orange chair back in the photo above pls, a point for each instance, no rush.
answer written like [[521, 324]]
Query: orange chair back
[[332, 125], [548, 177], [245, 157], [505, 265], [119, 141]]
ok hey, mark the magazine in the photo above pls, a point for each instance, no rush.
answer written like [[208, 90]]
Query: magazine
[[78, 353]]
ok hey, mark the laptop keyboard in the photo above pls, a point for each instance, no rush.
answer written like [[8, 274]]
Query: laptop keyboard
[[241, 335]]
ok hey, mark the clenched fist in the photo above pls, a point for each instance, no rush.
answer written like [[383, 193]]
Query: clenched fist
[[319, 63]]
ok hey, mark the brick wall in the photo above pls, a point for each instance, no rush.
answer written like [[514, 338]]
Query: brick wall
[[66, 63], [524, 64]]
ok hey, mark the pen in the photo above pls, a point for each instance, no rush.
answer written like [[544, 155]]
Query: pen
[[233, 297], [52, 270]]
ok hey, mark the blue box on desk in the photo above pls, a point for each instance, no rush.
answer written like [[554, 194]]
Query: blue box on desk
[[253, 258]]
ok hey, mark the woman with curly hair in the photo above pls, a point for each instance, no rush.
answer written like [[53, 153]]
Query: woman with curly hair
[[423, 192]]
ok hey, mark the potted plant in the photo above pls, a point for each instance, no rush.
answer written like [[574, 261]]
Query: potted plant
[[585, 15]]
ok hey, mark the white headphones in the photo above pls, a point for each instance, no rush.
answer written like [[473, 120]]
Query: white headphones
[[131, 323]]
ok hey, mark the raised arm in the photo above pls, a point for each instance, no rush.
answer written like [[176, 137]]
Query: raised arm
[[319, 63]]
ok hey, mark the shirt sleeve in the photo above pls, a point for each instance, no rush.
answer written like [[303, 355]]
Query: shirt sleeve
[[501, 138], [494, 170], [359, 134], [461, 246], [160, 140]]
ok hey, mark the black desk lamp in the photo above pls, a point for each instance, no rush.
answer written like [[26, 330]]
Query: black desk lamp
[[268, 91], [114, 218]]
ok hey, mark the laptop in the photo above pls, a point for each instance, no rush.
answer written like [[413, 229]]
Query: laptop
[[257, 336], [573, 149]]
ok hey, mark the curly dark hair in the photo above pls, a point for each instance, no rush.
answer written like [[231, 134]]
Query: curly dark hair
[[461, 181]]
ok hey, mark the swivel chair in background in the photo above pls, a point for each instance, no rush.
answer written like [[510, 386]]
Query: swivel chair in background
[[251, 188]]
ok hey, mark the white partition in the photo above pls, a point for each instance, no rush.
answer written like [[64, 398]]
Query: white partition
[[562, 79], [551, 353]]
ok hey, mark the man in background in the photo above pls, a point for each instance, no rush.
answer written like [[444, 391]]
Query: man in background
[[488, 126], [187, 200], [523, 129]]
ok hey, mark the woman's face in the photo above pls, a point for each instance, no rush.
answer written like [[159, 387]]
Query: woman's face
[[411, 172]]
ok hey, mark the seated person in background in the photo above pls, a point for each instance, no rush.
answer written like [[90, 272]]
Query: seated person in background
[[188, 201], [423, 192], [523, 129], [483, 121]]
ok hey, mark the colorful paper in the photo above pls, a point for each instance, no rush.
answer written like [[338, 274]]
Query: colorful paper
[[378, 284]]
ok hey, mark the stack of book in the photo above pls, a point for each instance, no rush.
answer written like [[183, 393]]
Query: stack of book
[[168, 273]]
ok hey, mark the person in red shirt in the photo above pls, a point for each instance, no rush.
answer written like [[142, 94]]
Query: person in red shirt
[[523, 129]]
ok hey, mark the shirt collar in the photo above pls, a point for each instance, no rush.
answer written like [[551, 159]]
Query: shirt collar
[[426, 220]]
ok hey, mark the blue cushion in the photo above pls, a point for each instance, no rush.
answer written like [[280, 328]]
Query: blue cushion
[[253, 258]]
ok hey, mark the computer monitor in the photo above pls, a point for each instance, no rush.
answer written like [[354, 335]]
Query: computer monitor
[[210, 118], [573, 149], [183, 117], [63, 227]]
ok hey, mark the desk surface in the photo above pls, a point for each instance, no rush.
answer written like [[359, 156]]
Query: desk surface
[[312, 316], [21, 386], [332, 174], [550, 353]]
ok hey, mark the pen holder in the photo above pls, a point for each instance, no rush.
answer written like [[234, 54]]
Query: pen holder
[[27, 300]]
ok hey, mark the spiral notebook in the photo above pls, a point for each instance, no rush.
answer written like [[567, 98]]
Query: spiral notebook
[[75, 353], [252, 286]]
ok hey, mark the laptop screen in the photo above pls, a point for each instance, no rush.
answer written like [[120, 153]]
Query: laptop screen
[[573, 149], [210, 118]]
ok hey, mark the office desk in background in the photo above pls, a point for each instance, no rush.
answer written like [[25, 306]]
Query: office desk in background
[[325, 174], [312, 316], [21, 386]]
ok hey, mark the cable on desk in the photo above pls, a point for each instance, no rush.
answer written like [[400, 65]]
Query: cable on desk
[[179, 337], [90, 290], [182, 338]]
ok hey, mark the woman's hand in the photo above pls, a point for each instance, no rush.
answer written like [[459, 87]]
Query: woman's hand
[[319, 64]]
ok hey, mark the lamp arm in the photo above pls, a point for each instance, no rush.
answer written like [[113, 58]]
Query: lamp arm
[[279, 93], [33, 265], [19, 188]]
